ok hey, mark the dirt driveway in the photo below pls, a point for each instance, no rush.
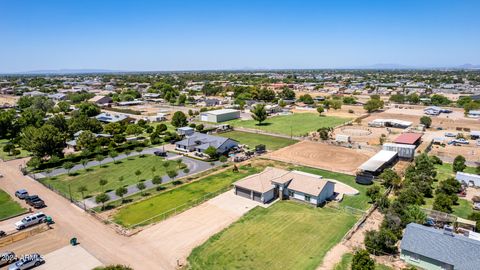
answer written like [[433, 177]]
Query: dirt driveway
[[323, 156], [180, 234], [157, 247], [70, 257]]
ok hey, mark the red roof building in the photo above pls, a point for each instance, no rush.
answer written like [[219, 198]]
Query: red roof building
[[409, 138]]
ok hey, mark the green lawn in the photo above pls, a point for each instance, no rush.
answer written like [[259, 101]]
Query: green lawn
[[445, 170], [180, 198], [6, 156], [112, 173], [346, 263], [464, 207], [287, 235], [360, 201], [9, 207], [252, 140], [295, 124]]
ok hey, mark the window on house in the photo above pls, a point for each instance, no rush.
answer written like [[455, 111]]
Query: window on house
[[307, 198], [291, 193]]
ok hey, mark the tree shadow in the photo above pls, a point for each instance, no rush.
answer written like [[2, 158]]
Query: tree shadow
[[264, 124]]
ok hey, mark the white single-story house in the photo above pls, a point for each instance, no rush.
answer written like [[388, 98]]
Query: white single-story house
[[111, 118], [199, 142], [468, 178], [273, 183], [219, 115]]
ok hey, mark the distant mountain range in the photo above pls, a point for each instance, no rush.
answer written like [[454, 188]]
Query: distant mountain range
[[380, 66]]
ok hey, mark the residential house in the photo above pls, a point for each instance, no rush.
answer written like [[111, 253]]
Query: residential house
[[100, 100], [111, 118], [435, 249], [273, 183], [199, 142]]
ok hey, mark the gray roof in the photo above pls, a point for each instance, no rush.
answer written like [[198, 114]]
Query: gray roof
[[458, 250], [202, 141]]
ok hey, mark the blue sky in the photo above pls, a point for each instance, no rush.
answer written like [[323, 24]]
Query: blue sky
[[185, 35]]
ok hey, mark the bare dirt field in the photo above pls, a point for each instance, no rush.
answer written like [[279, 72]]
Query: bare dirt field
[[471, 152], [323, 156], [8, 99]]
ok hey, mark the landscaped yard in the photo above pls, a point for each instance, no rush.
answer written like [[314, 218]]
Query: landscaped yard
[[297, 124], [445, 170], [287, 235], [252, 140], [346, 263], [9, 207], [6, 156], [180, 198], [360, 201], [111, 172]]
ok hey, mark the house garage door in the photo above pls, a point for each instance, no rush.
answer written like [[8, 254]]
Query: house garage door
[[257, 196], [243, 192]]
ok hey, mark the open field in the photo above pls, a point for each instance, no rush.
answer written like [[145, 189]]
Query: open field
[[263, 239], [323, 156], [179, 198], [112, 173], [9, 207], [297, 124], [252, 139], [346, 263]]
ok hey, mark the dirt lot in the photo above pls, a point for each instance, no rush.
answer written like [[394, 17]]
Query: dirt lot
[[471, 152], [8, 99], [71, 258], [323, 156]]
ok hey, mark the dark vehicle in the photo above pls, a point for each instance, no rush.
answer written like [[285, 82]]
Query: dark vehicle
[[31, 198], [7, 258], [160, 153], [2, 234], [35, 201]]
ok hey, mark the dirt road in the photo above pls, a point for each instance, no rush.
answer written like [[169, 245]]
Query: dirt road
[[158, 247]]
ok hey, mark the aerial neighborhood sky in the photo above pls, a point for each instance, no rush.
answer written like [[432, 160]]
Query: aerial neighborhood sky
[[204, 35]]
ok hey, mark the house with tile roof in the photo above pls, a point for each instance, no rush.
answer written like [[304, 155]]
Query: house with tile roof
[[273, 183]]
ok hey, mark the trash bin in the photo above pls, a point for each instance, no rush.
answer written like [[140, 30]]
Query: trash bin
[[73, 241]]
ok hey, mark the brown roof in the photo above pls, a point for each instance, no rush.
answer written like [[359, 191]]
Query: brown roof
[[302, 182], [261, 182]]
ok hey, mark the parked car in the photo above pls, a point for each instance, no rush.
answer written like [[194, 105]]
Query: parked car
[[35, 201], [30, 220], [27, 262], [462, 141], [7, 258], [449, 134], [160, 153], [21, 193]]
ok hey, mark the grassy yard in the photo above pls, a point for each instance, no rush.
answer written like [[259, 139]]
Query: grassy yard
[[445, 170], [112, 173], [296, 124], [180, 198], [252, 139], [287, 235], [346, 263], [6, 156], [360, 201], [9, 207]]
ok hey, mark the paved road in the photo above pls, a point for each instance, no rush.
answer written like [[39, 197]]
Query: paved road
[[59, 171], [195, 166]]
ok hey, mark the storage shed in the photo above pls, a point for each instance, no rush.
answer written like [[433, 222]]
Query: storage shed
[[405, 151], [375, 166], [409, 138], [217, 116]]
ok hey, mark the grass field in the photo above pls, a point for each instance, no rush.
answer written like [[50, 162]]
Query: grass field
[[287, 235], [295, 124], [111, 172], [9, 207], [360, 201], [445, 170], [346, 264], [180, 198], [5, 156], [252, 139]]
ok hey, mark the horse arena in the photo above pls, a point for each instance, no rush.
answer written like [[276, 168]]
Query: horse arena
[[356, 131], [323, 156]]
